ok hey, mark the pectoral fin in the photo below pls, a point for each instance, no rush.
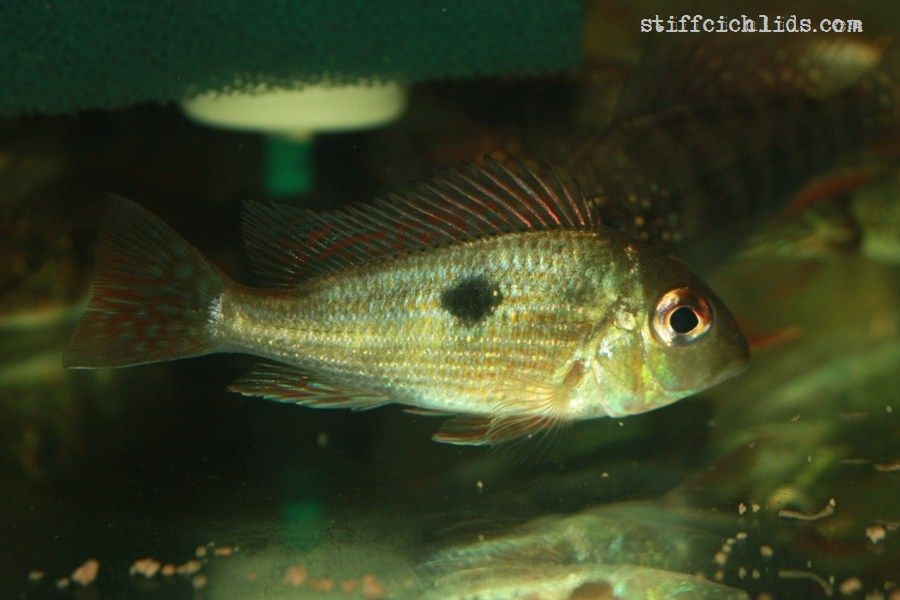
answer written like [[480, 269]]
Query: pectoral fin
[[288, 384], [529, 406]]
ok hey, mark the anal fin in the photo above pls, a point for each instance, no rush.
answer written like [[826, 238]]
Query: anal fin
[[428, 412], [283, 383], [474, 430]]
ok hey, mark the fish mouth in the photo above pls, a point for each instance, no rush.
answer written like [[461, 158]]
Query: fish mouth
[[738, 366]]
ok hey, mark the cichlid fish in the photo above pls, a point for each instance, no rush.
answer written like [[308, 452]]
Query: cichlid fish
[[550, 581], [491, 293], [742, 123]]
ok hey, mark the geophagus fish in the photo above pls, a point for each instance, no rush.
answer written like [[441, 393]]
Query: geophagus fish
[[490, 293]]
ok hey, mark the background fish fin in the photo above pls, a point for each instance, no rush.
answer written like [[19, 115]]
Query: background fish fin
[[470, 430], [288, 384], [287, 244], [832, 185]]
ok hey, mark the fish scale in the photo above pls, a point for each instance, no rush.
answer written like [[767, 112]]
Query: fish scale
[[331, 312]]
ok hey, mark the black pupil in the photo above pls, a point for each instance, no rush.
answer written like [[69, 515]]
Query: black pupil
[[683, 319]]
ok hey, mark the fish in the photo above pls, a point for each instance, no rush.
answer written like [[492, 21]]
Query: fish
[[548, 581], [490, 293], [714, 135], [634, 549], [642, 533]]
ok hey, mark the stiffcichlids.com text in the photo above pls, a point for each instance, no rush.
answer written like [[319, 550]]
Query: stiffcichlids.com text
[[747, 24]]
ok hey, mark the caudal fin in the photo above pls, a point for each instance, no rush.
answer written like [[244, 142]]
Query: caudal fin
[[151, 298]]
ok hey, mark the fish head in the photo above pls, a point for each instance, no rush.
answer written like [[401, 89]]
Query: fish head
[[682, 340]]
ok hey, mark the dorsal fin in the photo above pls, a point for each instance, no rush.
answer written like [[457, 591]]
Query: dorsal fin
[[288, 244]]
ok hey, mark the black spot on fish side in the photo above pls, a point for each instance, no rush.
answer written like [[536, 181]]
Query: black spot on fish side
[[471, 299]]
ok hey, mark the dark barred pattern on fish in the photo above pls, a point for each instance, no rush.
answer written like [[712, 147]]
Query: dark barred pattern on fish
[[490, 293], [716, 134]]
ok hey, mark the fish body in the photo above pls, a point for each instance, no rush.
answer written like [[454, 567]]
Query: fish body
[[640, 534], [543, 581], [633, 549], [490, 293], [714, 136]]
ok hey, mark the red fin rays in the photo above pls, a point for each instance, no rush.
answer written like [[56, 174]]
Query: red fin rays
[[288, 384], [289, 244], [152, 295]]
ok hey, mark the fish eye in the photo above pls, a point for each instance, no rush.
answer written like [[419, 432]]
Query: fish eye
[[681, 317]]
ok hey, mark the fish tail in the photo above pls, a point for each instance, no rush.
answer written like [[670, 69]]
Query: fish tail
[[153, 296]]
